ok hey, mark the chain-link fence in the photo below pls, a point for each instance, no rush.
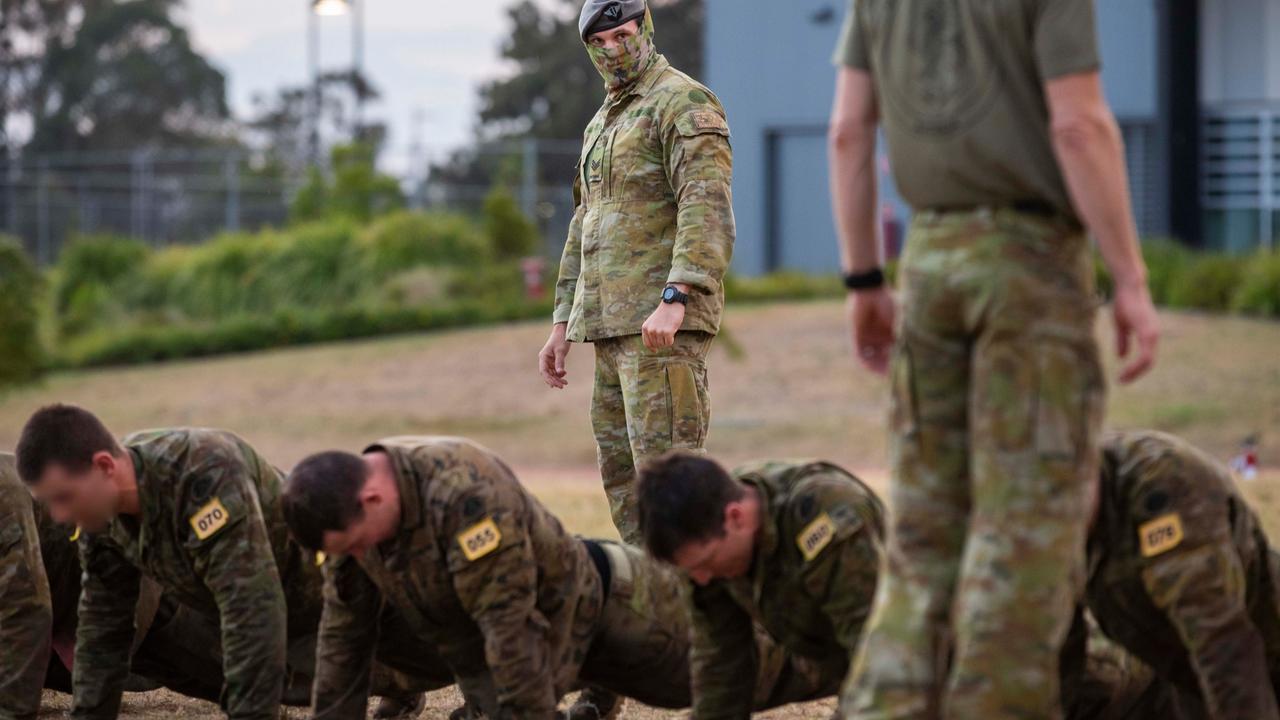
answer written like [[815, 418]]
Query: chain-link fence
[[188, 196]]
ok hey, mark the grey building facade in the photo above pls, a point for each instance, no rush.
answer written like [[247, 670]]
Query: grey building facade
[[1194, 84]]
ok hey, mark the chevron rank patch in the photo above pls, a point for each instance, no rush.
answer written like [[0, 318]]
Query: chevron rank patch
[[1160, 535], [480, 539], [209, 519], [816, 536]]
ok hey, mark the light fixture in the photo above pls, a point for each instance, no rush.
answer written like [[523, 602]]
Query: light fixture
[[329, 8]]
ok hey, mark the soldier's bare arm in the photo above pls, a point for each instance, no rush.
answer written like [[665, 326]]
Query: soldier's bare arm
[[723, 660], [104, 636], [495, 577], [230, 550], [347, 638], [1090, 150], [26, 613]]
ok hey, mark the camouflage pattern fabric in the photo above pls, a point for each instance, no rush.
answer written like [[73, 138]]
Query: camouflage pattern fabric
[[654, 206], [480, 571], [997, 397], [1102, 681], [811, 585], [642, 647], [624, 64], [211, 533], [26, 613], [646, 402], [1182, 576]]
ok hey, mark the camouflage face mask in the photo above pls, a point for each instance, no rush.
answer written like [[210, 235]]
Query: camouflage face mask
[[626, 62]]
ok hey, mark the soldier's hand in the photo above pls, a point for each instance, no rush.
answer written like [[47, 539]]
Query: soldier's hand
[[1136, 322], [659, 330], [551, 359], [872, 314]]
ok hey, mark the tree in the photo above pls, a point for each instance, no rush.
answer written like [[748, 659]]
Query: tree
[[124, 76], [555, 89], [357, 190]]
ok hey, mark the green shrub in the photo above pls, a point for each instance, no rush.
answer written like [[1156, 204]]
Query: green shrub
[[785, 285], [511, 234], [1165, 260], [1259, 290], [1205, 282], [406, 240], [94, 272], [20, 295]]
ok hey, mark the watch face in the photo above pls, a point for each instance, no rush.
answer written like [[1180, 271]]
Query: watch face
[[669, 294]]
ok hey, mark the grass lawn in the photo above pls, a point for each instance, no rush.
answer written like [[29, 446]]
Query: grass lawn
[[793, 391]]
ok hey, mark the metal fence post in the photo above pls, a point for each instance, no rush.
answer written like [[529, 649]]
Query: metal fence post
[[1266, 153], [529, 187], [42, 213], [11, 191], [232, 170]]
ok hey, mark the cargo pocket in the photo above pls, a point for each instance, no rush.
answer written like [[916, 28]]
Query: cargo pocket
[[904, 406], [684, 405], [1069, 401]]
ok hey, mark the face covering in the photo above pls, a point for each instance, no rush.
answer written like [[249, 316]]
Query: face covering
[[625, 62]]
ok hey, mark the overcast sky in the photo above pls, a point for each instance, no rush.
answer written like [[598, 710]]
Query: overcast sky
[[426, 56]]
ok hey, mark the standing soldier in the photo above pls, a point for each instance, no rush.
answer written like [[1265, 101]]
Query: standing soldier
[[1182, 576], [648, 247], [1002, 142], [198, 512], [523, 612], [795, 546]]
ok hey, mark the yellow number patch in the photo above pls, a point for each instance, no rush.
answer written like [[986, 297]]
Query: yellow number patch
[[320, 558], [1160, 535], [209, 519], [75, 535], [480, 539], [815, 536]]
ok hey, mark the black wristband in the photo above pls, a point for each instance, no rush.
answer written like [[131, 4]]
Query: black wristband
[[868, 280]]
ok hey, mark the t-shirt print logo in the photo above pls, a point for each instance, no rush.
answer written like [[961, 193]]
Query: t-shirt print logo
[[943, 79]]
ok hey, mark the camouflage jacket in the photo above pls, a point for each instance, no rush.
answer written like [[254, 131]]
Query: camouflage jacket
[[26, 614], [654, 205], [1182, 576], [811, 583], [479, 569], [211, 534]]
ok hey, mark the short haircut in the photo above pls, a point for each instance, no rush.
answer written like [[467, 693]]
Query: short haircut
[[63, 435], [682, 497], [322, 494]]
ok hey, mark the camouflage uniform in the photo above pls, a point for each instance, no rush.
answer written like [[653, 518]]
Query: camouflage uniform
[[811, 584], [1182, 576], [517, 606], [26, 614], [996, 380], [211, 533], [654, 206]]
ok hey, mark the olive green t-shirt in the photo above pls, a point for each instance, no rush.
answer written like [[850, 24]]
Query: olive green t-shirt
[[960, 85]]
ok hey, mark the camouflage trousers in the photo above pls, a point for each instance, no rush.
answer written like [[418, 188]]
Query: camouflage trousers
[[997, 395], [640, 648], [645, 403]]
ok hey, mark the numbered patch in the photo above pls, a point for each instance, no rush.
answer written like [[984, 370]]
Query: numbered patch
[[320, 558], [480, 539], [815, 536], [1160, 535], [209, 519]]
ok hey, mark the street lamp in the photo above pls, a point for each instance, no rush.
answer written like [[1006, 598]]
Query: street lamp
[[330, 8], [334, 8]]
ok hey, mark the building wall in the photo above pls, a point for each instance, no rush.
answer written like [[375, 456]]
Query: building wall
[[770, 63]]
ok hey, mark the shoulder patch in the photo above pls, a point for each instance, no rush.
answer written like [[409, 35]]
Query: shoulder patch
[[209, 519], [480, 539], [709, 120], [816, 536], [1160, 535]]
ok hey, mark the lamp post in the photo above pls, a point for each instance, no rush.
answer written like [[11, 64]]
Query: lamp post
[[335, 8]]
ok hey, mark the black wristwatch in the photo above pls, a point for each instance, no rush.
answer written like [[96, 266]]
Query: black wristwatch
[[869, 280], [673, 295]]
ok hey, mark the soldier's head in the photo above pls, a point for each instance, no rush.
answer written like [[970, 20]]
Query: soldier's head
[[619, 39], [342, 504], [74, 466], [696, 516]]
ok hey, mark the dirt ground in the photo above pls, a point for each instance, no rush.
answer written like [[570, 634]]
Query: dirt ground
[[792, 391]]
